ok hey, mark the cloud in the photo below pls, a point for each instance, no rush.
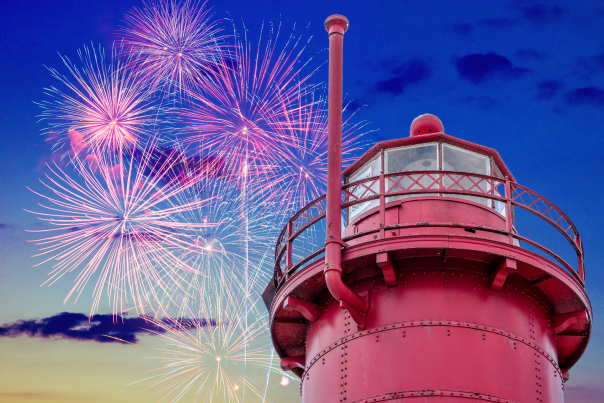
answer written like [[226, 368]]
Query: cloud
[[100, 328], [407, 73], [479, 67], [462, 29], [591, 96], [499, 22], [548, 89], [540, 13], [530, 54]]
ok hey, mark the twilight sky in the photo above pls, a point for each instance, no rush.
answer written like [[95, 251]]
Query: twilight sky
[[523, 77]]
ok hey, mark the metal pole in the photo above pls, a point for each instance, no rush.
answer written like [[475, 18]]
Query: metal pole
[[336, 26]]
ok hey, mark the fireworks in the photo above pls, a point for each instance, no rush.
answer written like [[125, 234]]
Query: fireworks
[[226, 249], [103, 105], [302, 167], [176, 42], [124, 222], [184, 227], [222, 363], [232, 113]]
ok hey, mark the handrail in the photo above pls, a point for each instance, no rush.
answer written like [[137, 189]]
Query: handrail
[[440, 183]]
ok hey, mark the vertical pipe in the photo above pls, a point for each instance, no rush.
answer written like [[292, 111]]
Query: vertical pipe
[[336, 26]]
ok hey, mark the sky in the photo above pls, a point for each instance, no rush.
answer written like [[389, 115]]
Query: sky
[[523, 77]]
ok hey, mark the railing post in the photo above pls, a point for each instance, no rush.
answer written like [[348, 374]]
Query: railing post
[[580, 267], [289, 259], [509, 225], [382, 205]]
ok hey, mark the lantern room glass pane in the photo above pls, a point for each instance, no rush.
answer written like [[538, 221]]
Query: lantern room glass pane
[[372, 168], [415, 158], [422, 157], [460, 160]]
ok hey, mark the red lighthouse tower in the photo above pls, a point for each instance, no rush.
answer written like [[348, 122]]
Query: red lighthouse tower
[[422, 290]]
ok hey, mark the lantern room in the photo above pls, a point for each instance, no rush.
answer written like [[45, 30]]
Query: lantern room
[[421, 170]]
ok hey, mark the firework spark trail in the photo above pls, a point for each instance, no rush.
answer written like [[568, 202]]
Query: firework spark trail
[[126, 220], [226, 248], [176, 43], [101, 105], [230, 114], [206, 361], [230, 110], [302, 165]]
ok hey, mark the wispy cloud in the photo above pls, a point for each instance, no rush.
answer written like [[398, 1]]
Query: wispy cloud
[[539, 13], [591, 96], [100, 328], [401, 76], [479, 67], [547, 89]]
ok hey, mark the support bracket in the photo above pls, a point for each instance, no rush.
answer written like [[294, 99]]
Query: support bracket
[[384, 262], [561, 322], [340, 241], [291, 363], [500, 273], [309, 310], [358, 317]]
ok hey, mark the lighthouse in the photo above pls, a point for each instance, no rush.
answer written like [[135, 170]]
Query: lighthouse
[[423, 290]]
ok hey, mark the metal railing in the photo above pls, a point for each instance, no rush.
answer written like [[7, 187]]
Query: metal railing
[[307, 226]]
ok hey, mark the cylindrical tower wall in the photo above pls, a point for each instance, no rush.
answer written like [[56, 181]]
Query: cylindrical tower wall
[[441, 333]]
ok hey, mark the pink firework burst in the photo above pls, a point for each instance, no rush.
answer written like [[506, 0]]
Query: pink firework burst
[[176, 43], [302, 165], [107, 105], [231, 111], [123, 220], [220, 352]]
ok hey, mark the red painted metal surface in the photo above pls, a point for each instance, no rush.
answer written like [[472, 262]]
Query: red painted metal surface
[[336, 26], [426, 124], [429, 293]]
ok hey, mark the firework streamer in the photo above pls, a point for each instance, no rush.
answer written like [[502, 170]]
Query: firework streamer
[[302, 164], [176, 43], [101, 107], [126, 222], [205, 361], [225, 248], [230, 111]]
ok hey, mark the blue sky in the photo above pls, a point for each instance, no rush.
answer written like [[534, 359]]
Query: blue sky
[[523, 77]]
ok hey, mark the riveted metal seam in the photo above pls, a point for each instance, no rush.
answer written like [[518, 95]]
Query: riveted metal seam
[[430, 322], [434, 393]]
